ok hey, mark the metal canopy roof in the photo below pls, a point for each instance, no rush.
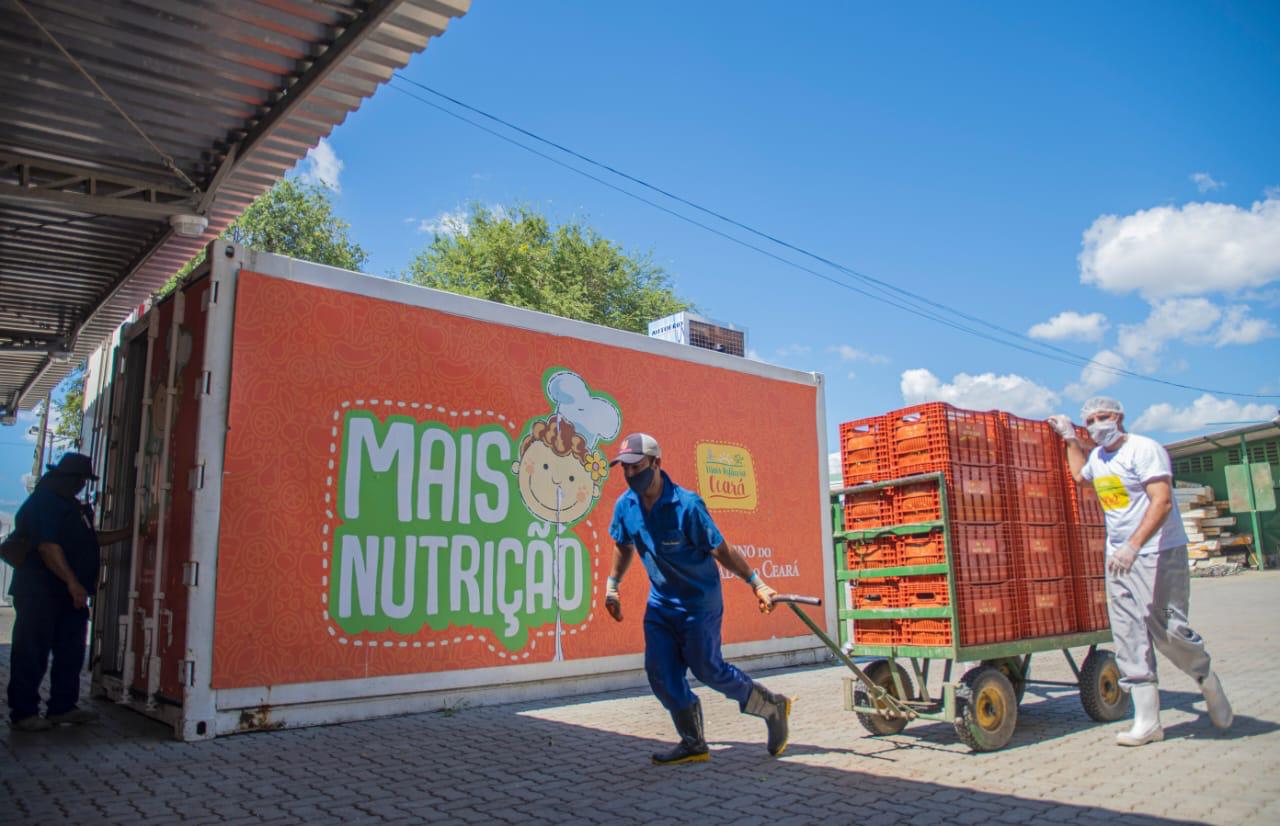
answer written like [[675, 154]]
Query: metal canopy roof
[[1224, 438], [234, 91]]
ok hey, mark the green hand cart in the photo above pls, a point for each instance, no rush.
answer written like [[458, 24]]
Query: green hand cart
[[983, 703]]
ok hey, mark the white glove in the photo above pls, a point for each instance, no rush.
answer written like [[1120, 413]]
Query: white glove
[[612, 601], [1062, 425], [1121, 561]]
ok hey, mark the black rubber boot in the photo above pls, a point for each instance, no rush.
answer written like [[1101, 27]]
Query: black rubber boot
[[692, 748], [774, 709]]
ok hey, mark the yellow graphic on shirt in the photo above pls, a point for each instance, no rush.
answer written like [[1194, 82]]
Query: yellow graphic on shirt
[[1111, 493]]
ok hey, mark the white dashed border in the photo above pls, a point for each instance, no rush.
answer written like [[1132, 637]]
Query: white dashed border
[[366, 640]]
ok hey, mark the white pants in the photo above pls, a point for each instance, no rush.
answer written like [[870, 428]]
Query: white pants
[[1148, 608]]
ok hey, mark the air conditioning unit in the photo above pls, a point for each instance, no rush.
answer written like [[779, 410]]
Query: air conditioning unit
[[696, 331]]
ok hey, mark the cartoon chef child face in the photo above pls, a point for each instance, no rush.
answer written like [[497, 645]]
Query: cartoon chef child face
[[559, 480]]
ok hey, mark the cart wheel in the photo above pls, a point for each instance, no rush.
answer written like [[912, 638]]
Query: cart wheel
[[987, 709], [1100, 691], [881, 674], [1009, 667]]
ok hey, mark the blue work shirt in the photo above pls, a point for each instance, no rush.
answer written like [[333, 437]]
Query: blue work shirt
[[48, 517], [675, 540]]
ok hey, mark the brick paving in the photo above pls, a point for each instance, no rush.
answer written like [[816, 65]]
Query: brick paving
[[585, 760]]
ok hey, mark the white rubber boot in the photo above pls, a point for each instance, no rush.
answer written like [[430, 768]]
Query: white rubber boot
[[1216, 699], [1146, 717]]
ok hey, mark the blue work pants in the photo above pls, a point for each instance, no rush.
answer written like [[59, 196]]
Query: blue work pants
[[45, 625], [677, 641]]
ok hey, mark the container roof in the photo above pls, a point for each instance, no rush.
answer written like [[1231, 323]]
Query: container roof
[[234, 94]]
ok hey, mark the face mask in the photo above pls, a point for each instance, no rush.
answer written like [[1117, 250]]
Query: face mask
[[641, 481], [1105, 432]]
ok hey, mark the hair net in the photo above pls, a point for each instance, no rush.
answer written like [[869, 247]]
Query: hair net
[[1100, 404]]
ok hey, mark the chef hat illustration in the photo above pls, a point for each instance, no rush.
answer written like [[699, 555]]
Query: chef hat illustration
[[596, 418]]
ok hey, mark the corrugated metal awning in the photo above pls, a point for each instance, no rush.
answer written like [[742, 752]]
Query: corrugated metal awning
[[234, 91]]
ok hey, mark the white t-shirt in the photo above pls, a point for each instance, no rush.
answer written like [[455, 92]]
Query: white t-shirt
[[1118, 478]]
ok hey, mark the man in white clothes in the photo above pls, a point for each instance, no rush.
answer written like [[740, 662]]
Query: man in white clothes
[[1148, 584]]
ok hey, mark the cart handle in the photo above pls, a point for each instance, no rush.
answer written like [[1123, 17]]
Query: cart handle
[[797, 598]]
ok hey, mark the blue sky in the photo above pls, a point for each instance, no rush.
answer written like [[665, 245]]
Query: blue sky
[[1103, 175]]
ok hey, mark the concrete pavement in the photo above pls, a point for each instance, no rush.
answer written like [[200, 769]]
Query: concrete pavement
[[587, 760]]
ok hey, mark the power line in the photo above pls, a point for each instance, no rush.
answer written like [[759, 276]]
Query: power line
[[884, 286], [1037, 348]]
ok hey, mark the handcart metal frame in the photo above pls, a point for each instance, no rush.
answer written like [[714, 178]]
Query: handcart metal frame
[[983, 703]]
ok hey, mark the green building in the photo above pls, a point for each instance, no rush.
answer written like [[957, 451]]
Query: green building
[[1205, 460]]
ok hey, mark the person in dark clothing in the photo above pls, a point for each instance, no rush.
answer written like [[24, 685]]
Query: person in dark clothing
[[680, 546], [51, 591]]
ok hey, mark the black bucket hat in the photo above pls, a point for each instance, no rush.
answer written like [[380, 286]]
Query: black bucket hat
[[73, 464]]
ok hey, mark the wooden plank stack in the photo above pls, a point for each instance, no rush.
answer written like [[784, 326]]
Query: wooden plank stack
[[1212, 532]]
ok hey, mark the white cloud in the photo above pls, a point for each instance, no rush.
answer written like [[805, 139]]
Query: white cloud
[[1195, 249], [446, 223], [1071, 325], [848, 353], [1239, 328], [455, 222], [1012, 392], [754, 355], [834, 467], [793, 350], [1098, 375], [1205, 182], [1188, 320], [322, 166], [1165, 417]]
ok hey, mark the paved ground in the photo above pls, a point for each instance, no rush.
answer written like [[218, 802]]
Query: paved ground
[[586, 760]]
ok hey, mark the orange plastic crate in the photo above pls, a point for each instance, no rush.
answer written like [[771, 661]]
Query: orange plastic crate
[[872, 553], [922, 549], [1042, 551], [864, 451], [1031, 444], [934, 433], [988, 613], [875, 593], [1088, 549], [875, 632], [1036, 496], [869, 509], [1048, 607], [1082, 502], [917, 502], [925, 632], [923, 591], [1091, 604], [974, 494], [982, 552]]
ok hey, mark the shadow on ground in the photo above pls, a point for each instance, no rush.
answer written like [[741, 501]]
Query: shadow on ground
[[503, 762]]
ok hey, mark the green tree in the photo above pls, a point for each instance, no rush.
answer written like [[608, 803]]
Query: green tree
[[70, 407], [290, 219], [517, 257]]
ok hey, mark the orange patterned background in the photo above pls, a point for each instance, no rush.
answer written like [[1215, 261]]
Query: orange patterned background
[[300, 351]]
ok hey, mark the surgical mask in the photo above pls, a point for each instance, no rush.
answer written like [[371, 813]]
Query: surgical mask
[[640, 482], [1105, 432]]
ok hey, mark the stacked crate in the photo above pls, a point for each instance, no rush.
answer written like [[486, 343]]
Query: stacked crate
[[966, 447], [1027, 543], [1034, 456], [1087, 538]]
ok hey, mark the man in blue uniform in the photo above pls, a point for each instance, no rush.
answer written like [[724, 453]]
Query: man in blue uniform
[[680, 545], [51, 590]]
